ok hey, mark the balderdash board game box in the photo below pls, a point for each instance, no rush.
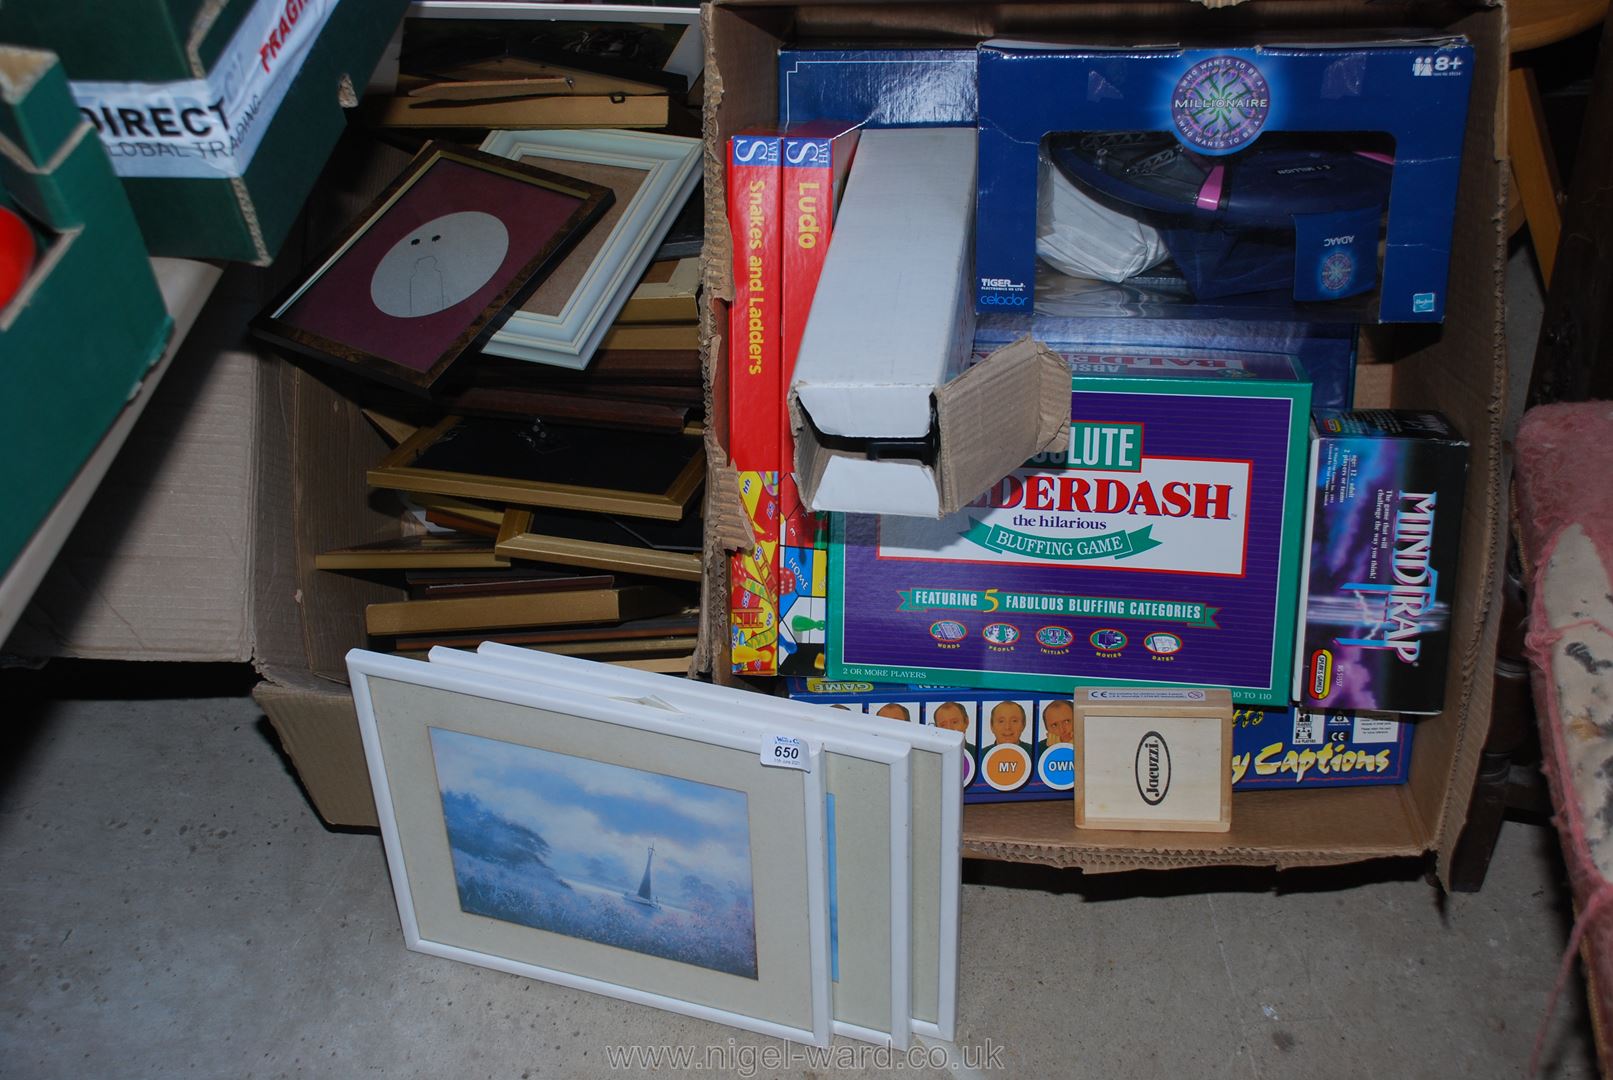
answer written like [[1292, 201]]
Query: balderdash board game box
[[1017, 745], [1381, 542], [1161, 549]]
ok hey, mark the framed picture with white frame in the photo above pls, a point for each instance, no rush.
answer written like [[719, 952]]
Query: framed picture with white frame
[[935, 812], [652, 175], [866, 783], [603, 845]]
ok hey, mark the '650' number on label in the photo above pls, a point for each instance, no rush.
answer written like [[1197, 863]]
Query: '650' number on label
[[785, 752]]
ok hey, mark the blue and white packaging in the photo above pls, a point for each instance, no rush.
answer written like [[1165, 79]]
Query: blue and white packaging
[[878, 87], [1326, 352], [1275, 174]]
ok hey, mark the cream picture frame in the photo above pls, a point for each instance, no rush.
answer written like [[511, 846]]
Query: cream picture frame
[[410, 711], [569, 337], [937, 764], [868, 781]]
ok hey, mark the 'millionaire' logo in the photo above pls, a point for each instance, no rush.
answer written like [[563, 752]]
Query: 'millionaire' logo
[[1219, 105]]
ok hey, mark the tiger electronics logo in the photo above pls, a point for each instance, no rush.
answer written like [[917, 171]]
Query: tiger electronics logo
[[1220, 104], [748, 150]]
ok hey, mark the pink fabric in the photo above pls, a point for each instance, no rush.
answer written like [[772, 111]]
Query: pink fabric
[[1563, 473]]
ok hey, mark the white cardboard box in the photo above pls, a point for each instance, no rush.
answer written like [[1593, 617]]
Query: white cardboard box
[[890, 333]]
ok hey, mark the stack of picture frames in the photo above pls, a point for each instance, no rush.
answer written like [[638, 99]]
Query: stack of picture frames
[[777, 866], [563, 538], [506, 317]]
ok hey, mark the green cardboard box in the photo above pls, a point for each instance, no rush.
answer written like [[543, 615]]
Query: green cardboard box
[[88, 322], [218, 116]]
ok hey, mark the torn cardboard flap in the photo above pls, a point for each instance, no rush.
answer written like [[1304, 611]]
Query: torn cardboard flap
[[999, 414], [990, 420]]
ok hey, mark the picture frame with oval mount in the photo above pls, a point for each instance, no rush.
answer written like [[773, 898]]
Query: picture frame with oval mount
[[431, 268]]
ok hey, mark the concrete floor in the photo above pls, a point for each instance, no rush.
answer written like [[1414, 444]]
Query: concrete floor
[[173, 907]]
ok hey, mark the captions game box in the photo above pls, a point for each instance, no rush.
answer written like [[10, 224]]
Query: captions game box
[[1161, 549], [1380, 561], [1017, 744]]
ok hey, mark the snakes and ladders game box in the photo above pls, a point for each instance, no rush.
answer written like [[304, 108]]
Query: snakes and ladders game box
[[754, 394], [1018, 748], [1382, 537], [1162, 548], [1316, 177]]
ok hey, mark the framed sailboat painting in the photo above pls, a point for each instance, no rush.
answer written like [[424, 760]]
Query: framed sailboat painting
[[867, 782], [929, 922], [605, 845]]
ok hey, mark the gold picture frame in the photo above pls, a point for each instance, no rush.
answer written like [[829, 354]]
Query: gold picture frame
[[521, 537], [402, 470]]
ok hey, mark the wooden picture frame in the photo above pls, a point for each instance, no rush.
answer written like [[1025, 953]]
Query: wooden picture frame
[[867, 783], [936, 787], [568, 335], [427, 272], [453, 754], [525, 535], [659, 627], [433, 551], [688, 56], [670, 298], [402, 470], [519, 610]]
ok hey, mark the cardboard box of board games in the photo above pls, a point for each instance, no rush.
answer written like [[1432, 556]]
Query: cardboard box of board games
[[1252, 176], [1018, 747], [1461, 372]]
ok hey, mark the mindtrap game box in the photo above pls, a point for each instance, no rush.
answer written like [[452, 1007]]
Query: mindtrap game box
[[1383, 528], [1161, 548]]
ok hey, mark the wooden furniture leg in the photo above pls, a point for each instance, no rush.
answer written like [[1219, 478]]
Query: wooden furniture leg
[[1534, 166], [1511, 719], [1576, 332]]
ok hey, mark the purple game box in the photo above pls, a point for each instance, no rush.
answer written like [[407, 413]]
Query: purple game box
[[1383, 526], [1162, 549]]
